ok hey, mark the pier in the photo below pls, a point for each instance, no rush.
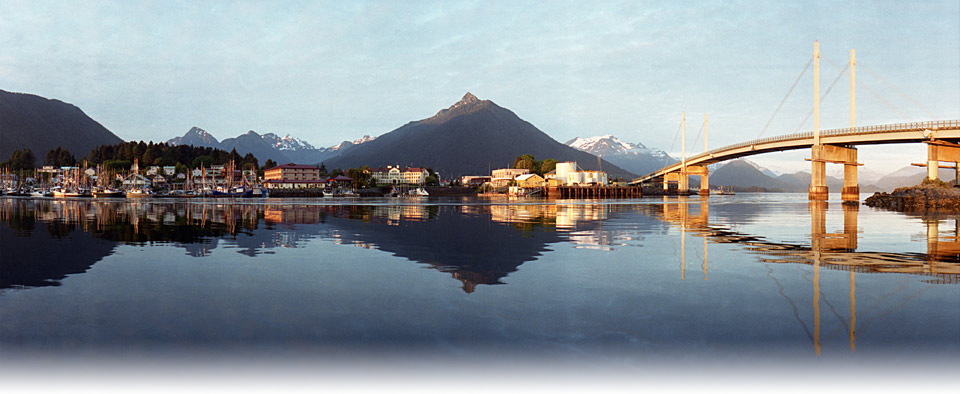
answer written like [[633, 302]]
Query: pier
[[597, 191]]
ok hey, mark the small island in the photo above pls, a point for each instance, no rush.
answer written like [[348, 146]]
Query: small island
[[935, 195]]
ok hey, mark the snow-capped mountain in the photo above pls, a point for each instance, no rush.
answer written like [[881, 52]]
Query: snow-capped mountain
[[287, 142], [286, 149], [636, 158], [348, 144]]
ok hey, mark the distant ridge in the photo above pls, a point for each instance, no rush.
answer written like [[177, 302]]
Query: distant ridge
[[286, 149], [32, 122], [470, 137]]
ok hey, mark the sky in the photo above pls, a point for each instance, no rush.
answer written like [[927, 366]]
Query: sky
[[332, 71]]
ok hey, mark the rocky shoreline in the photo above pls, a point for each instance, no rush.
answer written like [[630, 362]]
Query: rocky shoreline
[[920, 198]]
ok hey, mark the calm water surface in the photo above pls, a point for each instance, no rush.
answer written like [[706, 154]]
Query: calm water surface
[[728, 277]]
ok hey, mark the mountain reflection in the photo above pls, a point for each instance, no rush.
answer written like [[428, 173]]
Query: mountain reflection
[[475, 242]]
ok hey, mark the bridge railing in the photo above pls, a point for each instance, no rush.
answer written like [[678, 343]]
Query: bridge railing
[[910, 126]]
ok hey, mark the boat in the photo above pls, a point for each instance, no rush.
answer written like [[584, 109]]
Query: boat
[[139, 193], [721, 191], [108, 193], [38, 192], [234, 192], [418, 192]]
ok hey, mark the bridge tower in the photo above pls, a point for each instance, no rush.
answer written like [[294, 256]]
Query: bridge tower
[[684, 185], [823, 154]]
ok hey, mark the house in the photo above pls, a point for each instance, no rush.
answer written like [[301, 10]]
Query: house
[[136, 180], [169, 170], [529, 180]]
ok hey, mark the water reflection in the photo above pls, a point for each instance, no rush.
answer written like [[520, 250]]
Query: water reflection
[[476, 243], [834, 250]]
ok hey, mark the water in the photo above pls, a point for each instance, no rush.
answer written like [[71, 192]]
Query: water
[[605, 282]]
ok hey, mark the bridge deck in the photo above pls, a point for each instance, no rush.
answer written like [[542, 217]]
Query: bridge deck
[[947, 130]]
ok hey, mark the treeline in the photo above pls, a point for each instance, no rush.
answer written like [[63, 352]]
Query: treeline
[[120, 157], [25, 160], [535, 166], [161, 154]]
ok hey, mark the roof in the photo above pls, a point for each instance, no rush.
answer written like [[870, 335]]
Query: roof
[[340, 178], [526, 176], [295, 166]]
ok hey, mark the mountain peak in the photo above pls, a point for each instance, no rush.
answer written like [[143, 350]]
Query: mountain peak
[[196, 130], [469, 98]]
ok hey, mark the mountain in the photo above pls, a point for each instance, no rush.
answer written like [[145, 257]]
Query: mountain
[[470, 137], [40, 124], [742, 174], [635, 158], [286, 149], [286, 143], [196, 137], [909, 176]]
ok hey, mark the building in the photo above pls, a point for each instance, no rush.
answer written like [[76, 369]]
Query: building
[[292, 172], [393, 175], [529, 180], [474, 180], [294, 184], [415, 176], [386, 176], [503, 176]]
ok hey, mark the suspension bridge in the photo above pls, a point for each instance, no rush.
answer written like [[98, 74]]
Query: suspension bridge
[[835, 146]]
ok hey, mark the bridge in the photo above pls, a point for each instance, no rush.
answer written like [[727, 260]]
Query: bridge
[[835, 146]]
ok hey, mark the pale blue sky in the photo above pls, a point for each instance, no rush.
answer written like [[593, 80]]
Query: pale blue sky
[[333, 71]]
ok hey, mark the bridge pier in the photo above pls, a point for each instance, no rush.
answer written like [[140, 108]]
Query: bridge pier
[[670, 177], [938, 151], [823, 154], [704, 174]]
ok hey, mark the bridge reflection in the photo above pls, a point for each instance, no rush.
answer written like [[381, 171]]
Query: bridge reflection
[[833, 250]]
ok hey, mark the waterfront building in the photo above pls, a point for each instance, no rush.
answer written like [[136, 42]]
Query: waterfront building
[[415, 176], [529, 180], [393, 175], [503, 176], [386, 176], [474, 180], [292, 172]]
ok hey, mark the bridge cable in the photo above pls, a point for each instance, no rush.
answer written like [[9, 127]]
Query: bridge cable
[[697, 138], [675, 136], [824, 96], [785, 97], [901, 92], [887, 103]]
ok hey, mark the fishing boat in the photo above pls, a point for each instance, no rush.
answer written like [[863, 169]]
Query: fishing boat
[[108, 193], [420, 192], [139, 193]]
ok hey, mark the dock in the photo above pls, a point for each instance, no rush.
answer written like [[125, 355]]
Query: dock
[[594, 192]]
